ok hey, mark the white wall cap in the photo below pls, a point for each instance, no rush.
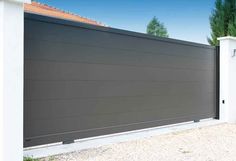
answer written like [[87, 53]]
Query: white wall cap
[[227, 38], [18, 1]]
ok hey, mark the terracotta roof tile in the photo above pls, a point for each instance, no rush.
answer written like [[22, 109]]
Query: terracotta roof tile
[[43, 9]]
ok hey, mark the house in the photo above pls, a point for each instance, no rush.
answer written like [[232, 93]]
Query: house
[[46, 10]]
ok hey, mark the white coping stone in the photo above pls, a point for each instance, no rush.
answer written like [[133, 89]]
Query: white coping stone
[[227, 38], [18, 1]]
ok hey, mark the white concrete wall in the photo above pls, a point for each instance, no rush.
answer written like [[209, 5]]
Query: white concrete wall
[[228, 79], [11, 79], [1, 81]]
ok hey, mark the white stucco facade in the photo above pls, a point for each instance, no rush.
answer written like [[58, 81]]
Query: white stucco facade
[[228, 79], [11, 79]]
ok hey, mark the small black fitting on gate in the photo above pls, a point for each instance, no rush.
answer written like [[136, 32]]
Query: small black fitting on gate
[[68, 142], [196, 121], [223, 101]]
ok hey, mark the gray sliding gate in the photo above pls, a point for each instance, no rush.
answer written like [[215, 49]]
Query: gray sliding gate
[[82, 81]]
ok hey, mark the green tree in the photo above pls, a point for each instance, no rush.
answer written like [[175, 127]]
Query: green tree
[[156, 28], [232, 18], [222, 20]]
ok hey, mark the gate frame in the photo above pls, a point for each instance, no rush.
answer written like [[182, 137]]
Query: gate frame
[[217, 82], [63, 22]]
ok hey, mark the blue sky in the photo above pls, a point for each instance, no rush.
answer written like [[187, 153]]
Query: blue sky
[[184, 19]]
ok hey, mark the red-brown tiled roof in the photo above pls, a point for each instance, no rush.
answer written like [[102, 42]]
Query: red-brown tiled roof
[[43, 9]]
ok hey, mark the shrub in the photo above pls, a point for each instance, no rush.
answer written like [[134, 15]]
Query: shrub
[[30, 159]]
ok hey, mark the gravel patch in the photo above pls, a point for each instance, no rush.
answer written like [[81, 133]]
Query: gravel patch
[[213, 143]]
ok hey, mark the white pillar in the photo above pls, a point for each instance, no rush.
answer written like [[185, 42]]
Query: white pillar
[[228, 79], [11, 79]]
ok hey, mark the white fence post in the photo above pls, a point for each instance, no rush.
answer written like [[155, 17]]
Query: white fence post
[[228, 79], [11, 79]]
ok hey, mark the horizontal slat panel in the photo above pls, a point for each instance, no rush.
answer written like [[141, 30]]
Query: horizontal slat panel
[[44, 139], [50, 109], [53, 32], [35, 90], [89, 54], [49, 70]]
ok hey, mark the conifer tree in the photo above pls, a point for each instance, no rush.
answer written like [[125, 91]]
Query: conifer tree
[[222, 20], [156, 28]]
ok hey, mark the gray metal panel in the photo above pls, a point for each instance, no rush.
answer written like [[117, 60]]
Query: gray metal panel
[[83, 81]]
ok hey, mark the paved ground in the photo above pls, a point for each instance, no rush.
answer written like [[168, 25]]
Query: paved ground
[[213, 143]]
